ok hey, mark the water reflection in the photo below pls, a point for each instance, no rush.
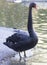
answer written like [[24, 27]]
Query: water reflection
[[42, 34]]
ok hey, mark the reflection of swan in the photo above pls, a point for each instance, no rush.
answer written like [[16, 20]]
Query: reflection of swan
[[21, 41]]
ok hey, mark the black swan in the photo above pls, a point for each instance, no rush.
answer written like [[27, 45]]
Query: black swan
[[21, 41]]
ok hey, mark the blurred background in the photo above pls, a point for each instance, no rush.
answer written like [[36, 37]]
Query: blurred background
[[14, 14]]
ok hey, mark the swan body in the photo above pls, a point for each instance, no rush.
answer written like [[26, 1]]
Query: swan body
[[21, 40]]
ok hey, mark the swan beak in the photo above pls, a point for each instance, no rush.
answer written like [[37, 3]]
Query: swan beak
[[35, 7]]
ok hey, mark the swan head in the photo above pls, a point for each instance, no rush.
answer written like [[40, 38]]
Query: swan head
[[33, 5]]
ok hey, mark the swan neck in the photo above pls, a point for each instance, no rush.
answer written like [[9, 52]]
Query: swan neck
[[30, 26]]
